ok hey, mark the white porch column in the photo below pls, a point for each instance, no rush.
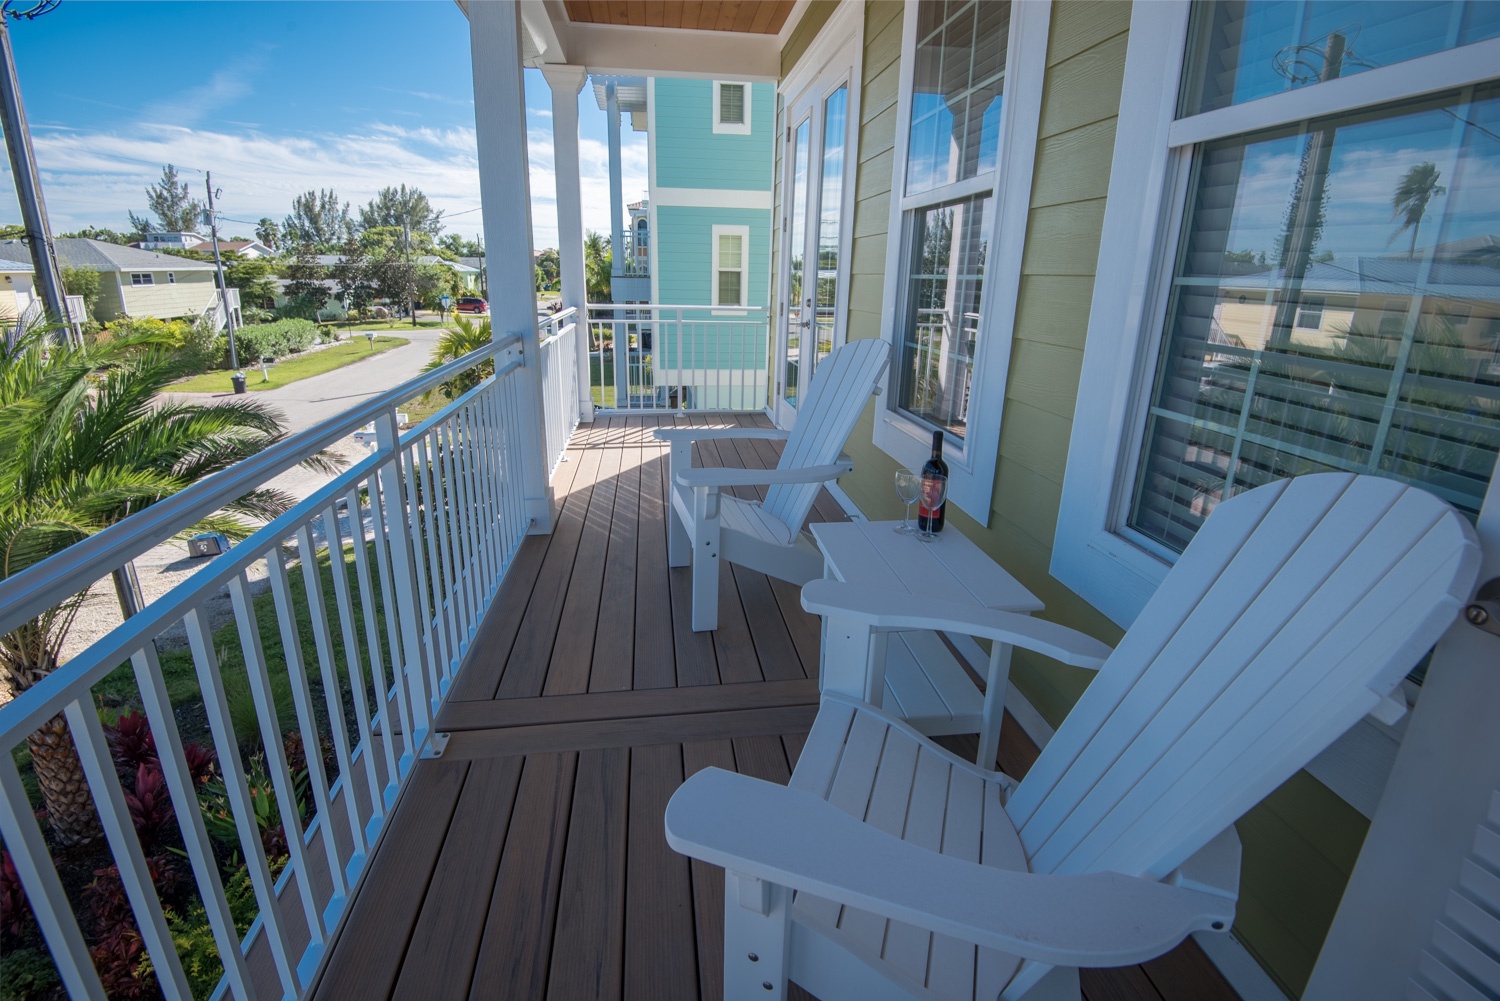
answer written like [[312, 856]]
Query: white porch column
[[566, 82], [616, 199], [505, 192]]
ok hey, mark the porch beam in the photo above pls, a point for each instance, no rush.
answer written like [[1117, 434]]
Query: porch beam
[[505, 193], [678, 52], [565, 83]]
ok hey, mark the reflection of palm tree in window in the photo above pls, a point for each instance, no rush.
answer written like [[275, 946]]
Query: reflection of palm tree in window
[[1417, 187]]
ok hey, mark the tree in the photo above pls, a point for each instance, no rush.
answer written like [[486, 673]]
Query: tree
[[318, 218], [81, 452], [174, 209], [596, 267], [305, 290], [267, 232], [84, 282], [356, 285], [253, 277], [1417, 187], [459, 247], [454, 344], [549, 270], [402, 207], [101, 234]]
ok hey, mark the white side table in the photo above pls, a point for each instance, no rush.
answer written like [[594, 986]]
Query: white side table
[[914, 673]]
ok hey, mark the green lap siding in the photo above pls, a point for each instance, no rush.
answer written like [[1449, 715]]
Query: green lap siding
[[1302, 842]]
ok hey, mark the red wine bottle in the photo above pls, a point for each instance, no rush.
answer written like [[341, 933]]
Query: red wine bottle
[[935, 471]]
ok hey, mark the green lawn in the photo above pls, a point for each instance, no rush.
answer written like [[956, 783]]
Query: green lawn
[[289, 370], [429, 322]]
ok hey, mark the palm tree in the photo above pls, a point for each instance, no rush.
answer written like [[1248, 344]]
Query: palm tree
[[596, 266], [455, 344], [1417, 187], [84, 442]]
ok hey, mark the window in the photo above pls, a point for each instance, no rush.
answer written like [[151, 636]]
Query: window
[[171, 278], [730, 250], [731, 108], [966, 142], [1301, 310], [142, 279]]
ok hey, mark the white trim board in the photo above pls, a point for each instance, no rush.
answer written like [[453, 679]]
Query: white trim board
[[710, 198], [723, 128]]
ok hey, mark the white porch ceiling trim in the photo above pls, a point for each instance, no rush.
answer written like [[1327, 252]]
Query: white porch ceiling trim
[[711, 198]]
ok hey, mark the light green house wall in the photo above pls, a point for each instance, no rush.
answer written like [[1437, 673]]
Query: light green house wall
[[191, 294], [689, 154], [684, 254], [1302, 842]]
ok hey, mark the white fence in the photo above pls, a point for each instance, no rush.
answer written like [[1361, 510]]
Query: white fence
[[559, 354], [645, 357], [346, 619]]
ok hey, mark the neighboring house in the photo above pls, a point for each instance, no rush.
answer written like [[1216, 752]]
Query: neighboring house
[[245, 248], [16, 293], [702, 236], [162, 240], [476, 264], [468, 276], [136, 282]]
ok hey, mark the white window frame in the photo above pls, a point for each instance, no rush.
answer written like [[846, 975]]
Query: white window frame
[[136, 276], [1093, 553], [743, 232], [171, 278], [971, 467], [731, 128]]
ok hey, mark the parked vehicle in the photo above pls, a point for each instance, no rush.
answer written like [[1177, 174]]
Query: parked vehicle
[[472, 304]]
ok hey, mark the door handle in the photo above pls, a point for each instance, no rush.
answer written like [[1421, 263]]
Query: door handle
[[1484, 610]]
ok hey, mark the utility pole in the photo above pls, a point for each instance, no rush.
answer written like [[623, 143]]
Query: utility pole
[[238, 378], [29, 189], [411, 276]]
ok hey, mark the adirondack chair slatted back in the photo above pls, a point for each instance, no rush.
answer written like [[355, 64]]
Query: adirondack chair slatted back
[[825, 418], [1295, 609]]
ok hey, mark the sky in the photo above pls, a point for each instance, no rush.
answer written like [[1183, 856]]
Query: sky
[[275, 98]]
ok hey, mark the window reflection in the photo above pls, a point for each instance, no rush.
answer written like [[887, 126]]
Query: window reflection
[[956, 92]]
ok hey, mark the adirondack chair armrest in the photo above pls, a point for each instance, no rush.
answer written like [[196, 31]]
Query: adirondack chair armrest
[[730, 476], [795, 839], [674, 435], [888, 610]]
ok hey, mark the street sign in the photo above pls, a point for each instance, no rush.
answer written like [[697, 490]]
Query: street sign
[[445, 299]]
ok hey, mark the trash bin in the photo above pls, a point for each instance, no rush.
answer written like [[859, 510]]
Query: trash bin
[[239, 381]]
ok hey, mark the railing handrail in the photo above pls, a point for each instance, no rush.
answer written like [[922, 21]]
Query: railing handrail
[[640, 307], [36, 589]]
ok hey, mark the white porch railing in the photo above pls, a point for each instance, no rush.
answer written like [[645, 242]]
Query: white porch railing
[[376, 585], [559, 354], [651, 357]]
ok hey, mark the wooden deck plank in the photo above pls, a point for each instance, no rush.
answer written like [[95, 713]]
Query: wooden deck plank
[[660, 943], [479, 675], [655, 659], [1187, 972], [614, 643], [1126, 983], [573, 653], [516, 951], [774, 648], [591, 901], [373, 942], [627, 732], [501, 713], [440, 959], [708, 880]]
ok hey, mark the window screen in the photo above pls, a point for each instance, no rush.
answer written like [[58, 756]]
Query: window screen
[[731, 103]]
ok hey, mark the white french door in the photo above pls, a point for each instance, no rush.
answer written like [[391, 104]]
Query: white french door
[[1421, 916], [814, 228]]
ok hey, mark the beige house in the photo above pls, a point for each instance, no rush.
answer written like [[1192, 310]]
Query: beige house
[[16, 294], [140, 282]]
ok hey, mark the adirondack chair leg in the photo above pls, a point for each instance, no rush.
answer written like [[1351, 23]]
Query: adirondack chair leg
[[1039, 982], [705, 560], [996, 680], [679, 542], [757, 938]]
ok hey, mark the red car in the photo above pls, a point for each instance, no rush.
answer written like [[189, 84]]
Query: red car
[[472, 304]]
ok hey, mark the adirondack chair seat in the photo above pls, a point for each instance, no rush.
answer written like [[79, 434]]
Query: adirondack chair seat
[[708, 524], [1293, 613]]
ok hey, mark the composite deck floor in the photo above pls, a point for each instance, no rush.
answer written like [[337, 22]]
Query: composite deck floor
[[530, 861]]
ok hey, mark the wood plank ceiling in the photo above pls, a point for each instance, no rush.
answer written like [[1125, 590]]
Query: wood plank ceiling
[[761, 17]]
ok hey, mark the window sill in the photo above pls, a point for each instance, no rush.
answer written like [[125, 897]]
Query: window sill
[[910, 444]]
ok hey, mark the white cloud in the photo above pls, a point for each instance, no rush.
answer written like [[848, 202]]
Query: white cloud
[[96, 177]]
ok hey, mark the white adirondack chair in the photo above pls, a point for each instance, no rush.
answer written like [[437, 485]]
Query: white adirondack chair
[[891, 868], [767, 536]]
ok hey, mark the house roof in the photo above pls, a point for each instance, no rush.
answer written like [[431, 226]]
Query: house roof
[[458, 265], [477, 263], [225, 246], [10, 267], [96, 255], [1393, 276]]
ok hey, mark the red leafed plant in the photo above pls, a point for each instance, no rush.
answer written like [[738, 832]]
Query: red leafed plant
[[201, 763], [120, 958], [131, 742], [150, 805], [15, 911]]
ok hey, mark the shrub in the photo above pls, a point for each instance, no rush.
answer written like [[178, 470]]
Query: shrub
[[26, 974], [150, 805], [195, 940], [15, 911], [131, 743], [278, 339]]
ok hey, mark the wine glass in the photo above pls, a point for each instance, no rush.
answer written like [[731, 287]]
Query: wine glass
[[908, 488], [934, 491]]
